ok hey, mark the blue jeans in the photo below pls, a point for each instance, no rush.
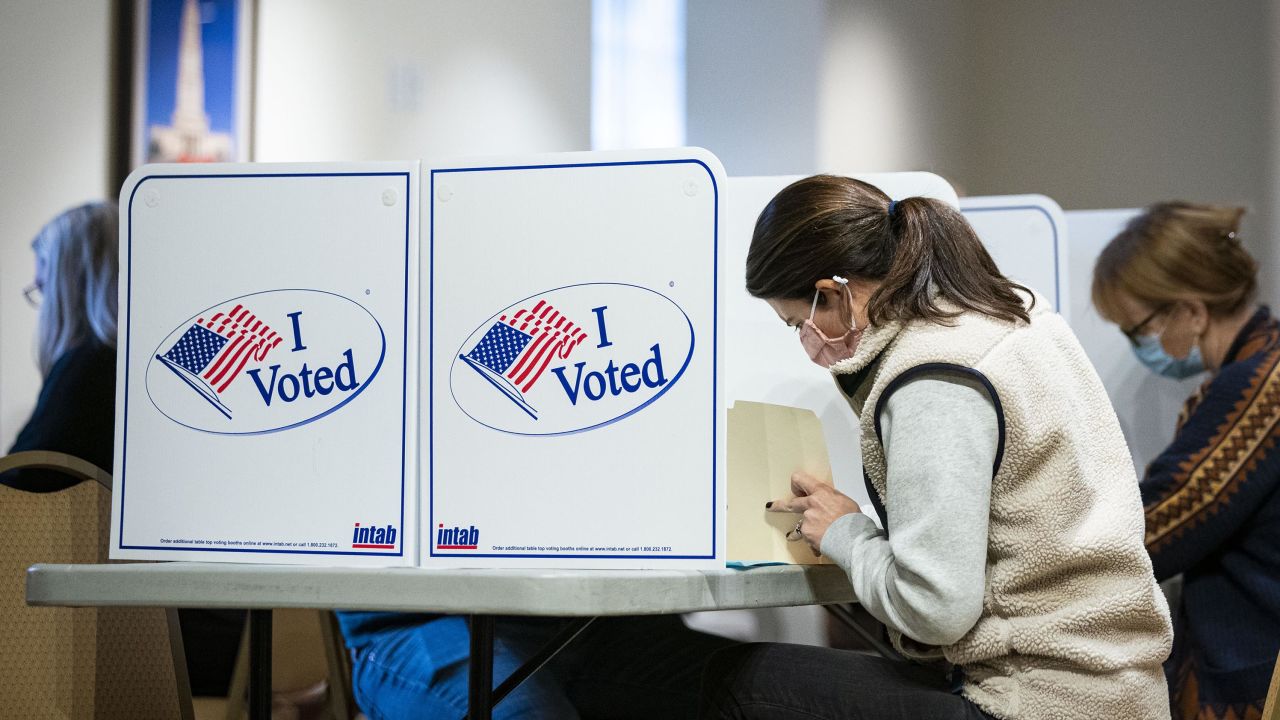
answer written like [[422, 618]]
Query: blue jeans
[[632, 667]]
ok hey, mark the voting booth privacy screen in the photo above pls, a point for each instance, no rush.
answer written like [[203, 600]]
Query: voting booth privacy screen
[[532, 377], [266, 411], [506, 362], [572, 362]]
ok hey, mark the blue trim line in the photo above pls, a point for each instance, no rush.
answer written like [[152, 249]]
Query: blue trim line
[[276, 552], [382, 355], [671, 383]]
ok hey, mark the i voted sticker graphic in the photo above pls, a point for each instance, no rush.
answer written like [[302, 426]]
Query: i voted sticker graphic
[[265, 362], [572, 359]]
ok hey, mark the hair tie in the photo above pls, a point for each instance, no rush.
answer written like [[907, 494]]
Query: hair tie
[[892, 204]]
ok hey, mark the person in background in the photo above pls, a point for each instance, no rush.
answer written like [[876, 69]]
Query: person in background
[[74, 292], [1181, 287], [1010, 569]]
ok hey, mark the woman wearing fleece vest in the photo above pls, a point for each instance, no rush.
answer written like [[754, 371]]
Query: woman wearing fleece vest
[[1011, 571]]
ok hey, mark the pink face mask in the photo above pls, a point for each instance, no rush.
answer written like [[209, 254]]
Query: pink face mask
[[827, 351]]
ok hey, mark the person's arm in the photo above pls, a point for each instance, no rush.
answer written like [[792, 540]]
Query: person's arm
[[927, 577], [74, 414], [1223, 462]]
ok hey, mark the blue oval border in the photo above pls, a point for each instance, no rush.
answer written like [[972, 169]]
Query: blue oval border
[[382, 354], [688, 358]]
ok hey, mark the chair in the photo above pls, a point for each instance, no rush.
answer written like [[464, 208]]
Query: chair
[[78, 662], [1271, 709], [310, 669]]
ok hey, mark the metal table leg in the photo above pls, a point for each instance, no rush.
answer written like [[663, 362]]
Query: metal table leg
[[259, 664], [482, 697], [845, 616], [480, 677]]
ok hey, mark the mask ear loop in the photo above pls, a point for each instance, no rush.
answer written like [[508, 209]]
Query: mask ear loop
[[844, 284]]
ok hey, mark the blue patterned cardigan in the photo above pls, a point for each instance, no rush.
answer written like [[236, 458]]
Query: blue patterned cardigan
[[1213, 514]]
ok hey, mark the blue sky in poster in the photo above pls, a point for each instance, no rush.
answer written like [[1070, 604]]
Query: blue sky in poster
[[218, 36]]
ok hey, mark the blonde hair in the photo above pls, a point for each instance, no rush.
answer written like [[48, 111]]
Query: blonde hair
[[80, 252], [1177, 251]]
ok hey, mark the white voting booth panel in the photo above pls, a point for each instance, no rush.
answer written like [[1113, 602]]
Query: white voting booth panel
[[1147, 404], [1027, 237], [265, 412], [572, 402]]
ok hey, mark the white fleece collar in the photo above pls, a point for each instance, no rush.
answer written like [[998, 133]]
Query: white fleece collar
[[874, 340]]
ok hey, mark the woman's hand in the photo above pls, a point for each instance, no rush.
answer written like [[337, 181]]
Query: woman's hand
[[820, 504]]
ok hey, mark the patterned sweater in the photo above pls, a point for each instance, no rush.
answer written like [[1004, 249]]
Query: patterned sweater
[[1213, 514]]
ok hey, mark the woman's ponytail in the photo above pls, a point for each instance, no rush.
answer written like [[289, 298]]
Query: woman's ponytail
[[930, 263], [937, 255]]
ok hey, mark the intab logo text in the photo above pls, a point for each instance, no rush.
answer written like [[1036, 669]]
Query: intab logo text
[[457, 538], [371, 537]]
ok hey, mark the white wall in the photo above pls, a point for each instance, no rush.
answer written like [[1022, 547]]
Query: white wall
[[752, 83], [402, 79], [53, 148], [895, 88], [798, 87], [1103, 104]]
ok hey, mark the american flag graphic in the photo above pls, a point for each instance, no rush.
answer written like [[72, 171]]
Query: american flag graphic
[[519, 347], [214, 351]]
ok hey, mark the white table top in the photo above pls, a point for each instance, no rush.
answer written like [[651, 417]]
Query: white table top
[[496, 592]]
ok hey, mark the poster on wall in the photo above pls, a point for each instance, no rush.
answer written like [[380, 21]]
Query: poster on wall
[[191, 89], [572, 364], [265, 402]]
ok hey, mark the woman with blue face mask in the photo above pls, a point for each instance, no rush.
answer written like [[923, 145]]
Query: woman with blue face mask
[[1181, 287]]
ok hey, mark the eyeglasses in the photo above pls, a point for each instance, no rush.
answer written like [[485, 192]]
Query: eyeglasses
[[32, 294], [1133, 332]]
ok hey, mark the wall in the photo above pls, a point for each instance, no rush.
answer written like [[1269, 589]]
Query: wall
[[895, 88], [799, 87], [401, 79], [53, 148], [1101, 104], [752, 83]]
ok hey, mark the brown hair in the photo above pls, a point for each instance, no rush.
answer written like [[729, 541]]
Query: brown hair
[[924, 250], [1177, 251]]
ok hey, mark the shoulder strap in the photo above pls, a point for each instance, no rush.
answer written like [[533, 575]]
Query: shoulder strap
[[936, 368]]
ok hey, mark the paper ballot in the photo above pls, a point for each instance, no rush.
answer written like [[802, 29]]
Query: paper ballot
[[766, 444]]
